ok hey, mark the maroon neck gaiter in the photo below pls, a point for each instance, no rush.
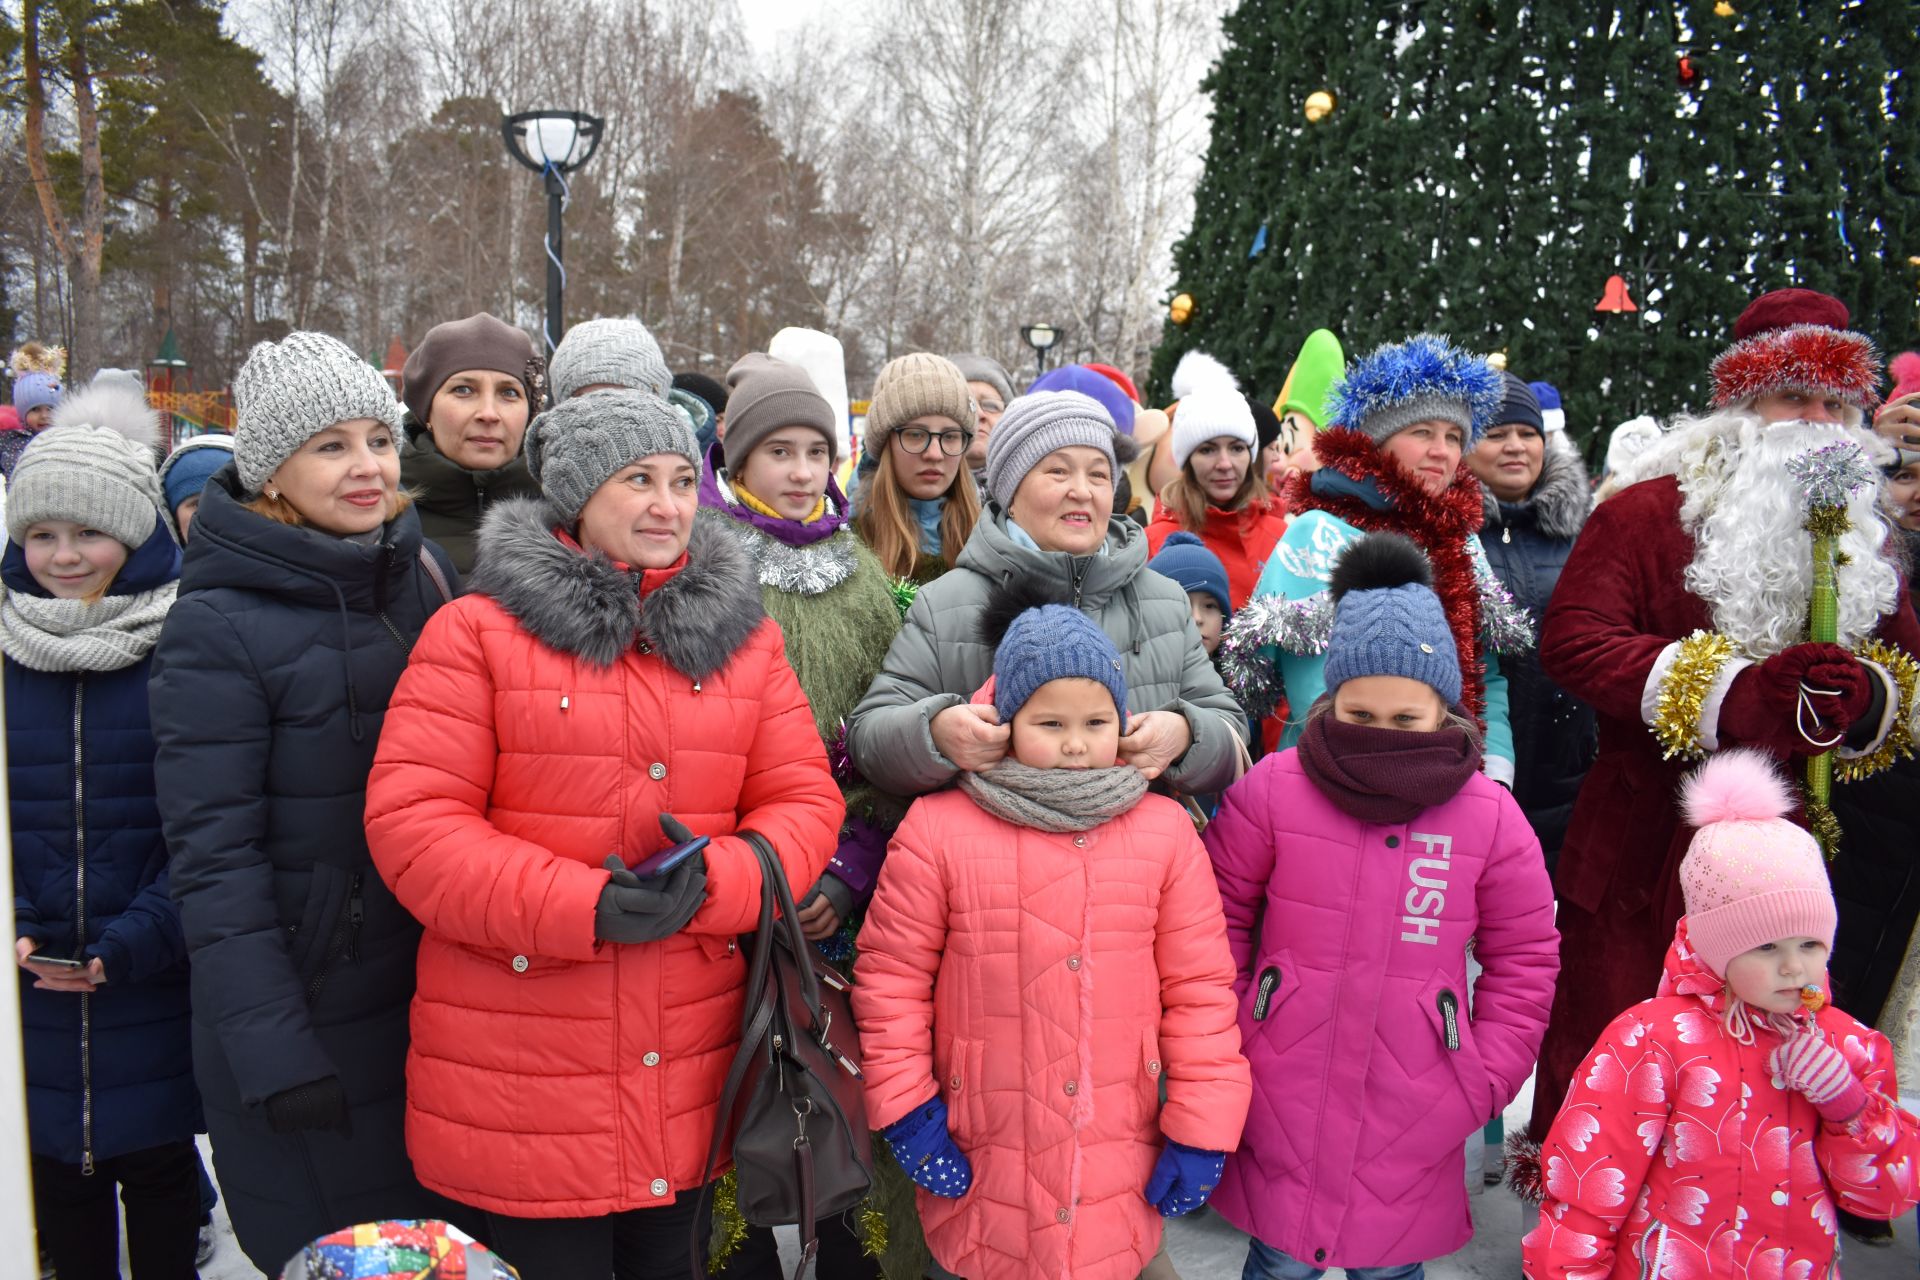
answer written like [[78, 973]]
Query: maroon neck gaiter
[[1385, 775]]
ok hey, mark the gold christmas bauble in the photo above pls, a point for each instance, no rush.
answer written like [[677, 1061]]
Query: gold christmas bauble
[[1723, 9], [1180, 310], [1498, 360], [1319, 106]]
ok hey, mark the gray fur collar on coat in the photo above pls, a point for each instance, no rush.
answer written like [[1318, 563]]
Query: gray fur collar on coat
[[1561, 499], [585, 605]]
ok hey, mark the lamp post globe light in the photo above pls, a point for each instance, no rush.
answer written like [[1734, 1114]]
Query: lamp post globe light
[[553, 144], [1041, 338]]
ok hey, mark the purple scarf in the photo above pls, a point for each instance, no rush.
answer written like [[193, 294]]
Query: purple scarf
[[792, 532], [1385, 776]]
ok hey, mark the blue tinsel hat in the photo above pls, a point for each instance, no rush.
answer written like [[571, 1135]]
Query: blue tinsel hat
[[1426, 377]]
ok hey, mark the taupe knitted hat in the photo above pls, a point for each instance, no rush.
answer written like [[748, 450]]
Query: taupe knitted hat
[[576, 446], [92, 475], [766, 395], [481, 341], [910, 386], [290, 391]]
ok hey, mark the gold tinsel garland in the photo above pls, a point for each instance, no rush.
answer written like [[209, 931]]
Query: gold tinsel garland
[[730, 1227], [1683, 694], [1899, 743]]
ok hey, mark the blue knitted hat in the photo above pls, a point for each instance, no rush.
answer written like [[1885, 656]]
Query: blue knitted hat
[[1036, 643], [1517, 404], [1426, 377], [1186, 559], [187, 469], [1387, 621]]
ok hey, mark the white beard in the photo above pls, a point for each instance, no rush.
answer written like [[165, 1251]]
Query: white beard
[[1753, 560]]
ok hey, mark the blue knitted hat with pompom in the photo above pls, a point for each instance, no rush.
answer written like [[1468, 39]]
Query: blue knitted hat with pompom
[[1387, 621], [1188, 561]]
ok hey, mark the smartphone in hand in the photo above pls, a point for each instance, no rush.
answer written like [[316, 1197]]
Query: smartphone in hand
[[670, 857], [39, 961]]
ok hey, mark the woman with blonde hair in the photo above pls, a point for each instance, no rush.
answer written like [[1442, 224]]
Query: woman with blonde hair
[[918, 507]]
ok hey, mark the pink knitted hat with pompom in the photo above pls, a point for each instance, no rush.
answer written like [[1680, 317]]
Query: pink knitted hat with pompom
[[1750, 876]]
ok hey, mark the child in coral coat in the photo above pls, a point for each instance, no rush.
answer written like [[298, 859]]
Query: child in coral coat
[[1714, 1129], [1354, 870], [1044, 950]]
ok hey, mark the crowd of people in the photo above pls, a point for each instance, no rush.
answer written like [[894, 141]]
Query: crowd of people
[[1234, 803]]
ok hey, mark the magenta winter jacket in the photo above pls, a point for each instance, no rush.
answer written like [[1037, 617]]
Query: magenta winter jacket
[[1368, 1071]]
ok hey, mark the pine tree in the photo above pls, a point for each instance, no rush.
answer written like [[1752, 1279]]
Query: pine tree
[[1490, 163]]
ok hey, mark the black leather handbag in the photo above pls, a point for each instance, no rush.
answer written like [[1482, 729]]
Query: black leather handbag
[[792, 1099]]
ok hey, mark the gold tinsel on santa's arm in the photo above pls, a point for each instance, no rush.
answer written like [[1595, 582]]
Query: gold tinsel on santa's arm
[[1694, 679], [1898, 742]]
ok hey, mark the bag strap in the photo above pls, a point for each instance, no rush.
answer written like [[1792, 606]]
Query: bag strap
[[434, 571], [773, 884]]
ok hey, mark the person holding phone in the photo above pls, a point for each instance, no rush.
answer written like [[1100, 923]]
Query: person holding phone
[[90, 571], [578, 1005]]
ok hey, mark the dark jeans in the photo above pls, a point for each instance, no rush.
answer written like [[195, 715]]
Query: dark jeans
[[640, 1244], [79, 1225], [209, 1197], [842, 1255]]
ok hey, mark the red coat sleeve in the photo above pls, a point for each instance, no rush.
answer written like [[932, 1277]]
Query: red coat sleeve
[[901, 942], [1870, 1162], [1596, 1156]]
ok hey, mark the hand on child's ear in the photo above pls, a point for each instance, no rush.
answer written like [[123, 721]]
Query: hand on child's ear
[[1154, 740]]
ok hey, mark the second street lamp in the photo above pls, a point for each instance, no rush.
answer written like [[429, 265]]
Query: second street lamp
[[553, 144], [1041, 338]]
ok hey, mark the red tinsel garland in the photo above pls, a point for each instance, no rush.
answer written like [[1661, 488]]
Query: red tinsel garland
[[1439, 526]]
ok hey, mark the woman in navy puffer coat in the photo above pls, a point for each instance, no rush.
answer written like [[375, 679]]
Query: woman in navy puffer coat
[[89, 573], [269, 689]]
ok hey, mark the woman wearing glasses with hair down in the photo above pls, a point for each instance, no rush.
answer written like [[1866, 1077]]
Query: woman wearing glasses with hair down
[[919, 506]]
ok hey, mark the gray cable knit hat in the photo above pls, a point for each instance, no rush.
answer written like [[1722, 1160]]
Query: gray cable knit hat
[[92, 475], [290, 391], [618, 351], [576, 446], [1033, 427]]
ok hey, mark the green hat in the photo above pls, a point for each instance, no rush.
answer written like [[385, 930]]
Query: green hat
[[1317, 368]]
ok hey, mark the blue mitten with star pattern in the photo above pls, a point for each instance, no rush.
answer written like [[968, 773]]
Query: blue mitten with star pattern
[[926, 1150], [1183, 1178]]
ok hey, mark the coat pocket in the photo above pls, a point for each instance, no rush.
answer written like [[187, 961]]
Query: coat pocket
[[1444, 1002], [311, 937], [1272, 984], [958, 1068]]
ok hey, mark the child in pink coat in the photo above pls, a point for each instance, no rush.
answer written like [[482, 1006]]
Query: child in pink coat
[[1044, 951], [1715, 1128], [1354, 869]]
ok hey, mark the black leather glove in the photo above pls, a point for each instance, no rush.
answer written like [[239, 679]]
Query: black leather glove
[[320, 1104], [636, 910]]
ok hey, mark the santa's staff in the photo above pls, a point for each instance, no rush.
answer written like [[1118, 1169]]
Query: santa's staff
[[1828, 478]]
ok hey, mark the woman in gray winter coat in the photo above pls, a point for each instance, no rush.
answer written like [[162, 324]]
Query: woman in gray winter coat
[[1050, 525]]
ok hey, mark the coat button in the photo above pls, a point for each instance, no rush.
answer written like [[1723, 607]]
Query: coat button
[[656, 771], [1061, 1215], [519, 964], [1393, 842], [659, 1187], [1153, 1067], [1319, 1255], [1079, 842], [652, 1059], [954, 1083], [1073, 962], [1779, 1197], [1072, 1086]]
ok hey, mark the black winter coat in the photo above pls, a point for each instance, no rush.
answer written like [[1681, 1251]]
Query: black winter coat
[[269, 686], [1555, 735], [110, 1072], [452, 500]]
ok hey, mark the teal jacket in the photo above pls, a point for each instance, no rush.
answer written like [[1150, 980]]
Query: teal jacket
[[1302, 566]]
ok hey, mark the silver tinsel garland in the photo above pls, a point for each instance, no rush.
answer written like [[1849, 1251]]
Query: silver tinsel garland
[[806, 571]]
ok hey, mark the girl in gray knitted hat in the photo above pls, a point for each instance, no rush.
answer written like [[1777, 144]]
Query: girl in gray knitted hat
[[89, 575], [1354, 868]]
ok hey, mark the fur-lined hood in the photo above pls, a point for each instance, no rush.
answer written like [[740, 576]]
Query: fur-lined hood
[[584, 604], [1561, 500]]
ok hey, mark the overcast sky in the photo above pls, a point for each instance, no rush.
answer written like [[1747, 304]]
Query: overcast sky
[[767, 20]]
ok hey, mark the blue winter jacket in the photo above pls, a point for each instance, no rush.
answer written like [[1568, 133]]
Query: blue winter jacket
[[111, 1072]]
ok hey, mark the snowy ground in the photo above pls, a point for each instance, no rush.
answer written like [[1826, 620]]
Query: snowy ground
[[1205, 1248]]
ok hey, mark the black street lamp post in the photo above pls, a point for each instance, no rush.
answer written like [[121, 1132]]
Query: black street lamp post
[[553, 144], [1041, 338]]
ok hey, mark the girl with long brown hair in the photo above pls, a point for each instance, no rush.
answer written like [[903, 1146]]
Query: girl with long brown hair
[[918, 507]]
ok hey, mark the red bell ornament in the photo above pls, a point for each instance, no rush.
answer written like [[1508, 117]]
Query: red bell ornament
[[1615, 299], [1688, 73]]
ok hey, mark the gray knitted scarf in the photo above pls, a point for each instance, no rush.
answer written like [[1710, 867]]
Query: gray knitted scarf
[[44, 634], [1055, 799]]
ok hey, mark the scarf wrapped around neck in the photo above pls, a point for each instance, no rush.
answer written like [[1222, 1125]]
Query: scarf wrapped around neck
[[47, 634], [1055, 799], [1385, 776]]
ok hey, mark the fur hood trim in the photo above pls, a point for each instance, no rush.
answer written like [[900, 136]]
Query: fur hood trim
[[1562, 500], [584, 604]]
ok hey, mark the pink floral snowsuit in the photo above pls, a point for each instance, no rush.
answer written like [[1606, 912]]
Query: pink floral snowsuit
[[1675, 1156]]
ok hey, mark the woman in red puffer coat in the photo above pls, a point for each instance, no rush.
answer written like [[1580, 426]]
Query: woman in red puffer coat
[[572, 1026]]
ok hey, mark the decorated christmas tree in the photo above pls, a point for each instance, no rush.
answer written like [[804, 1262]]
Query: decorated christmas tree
[[1483, 168]]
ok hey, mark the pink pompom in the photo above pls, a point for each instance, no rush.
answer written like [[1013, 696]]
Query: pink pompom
[[1906, 374], [1735, 786]]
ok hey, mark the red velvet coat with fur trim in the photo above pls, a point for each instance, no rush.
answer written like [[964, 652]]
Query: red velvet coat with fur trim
[[1621, 601], [543, 723]]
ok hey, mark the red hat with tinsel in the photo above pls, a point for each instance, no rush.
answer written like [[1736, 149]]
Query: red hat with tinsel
[[1796, 340]]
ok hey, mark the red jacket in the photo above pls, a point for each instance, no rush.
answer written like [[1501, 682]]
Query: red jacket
[[1676, 1156], [551, 1075], [1242, 539]]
